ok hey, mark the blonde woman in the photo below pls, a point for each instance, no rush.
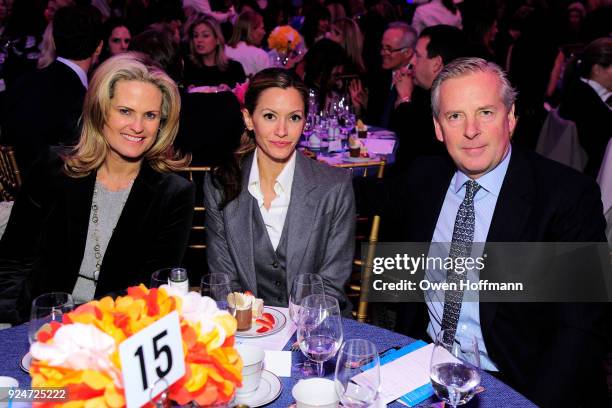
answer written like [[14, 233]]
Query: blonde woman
[[207, 64], [110, 212], [346, 32], [244, 46]]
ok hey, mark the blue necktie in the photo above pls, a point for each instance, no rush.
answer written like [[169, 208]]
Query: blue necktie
[[461, 246]]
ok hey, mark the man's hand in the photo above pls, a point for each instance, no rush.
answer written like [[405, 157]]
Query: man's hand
[[402, 79]]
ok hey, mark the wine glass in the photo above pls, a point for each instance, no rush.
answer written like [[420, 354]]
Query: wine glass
[[47, 308], [216, 286], [304, 284], [357, 376], [455, 368], [319, 331]]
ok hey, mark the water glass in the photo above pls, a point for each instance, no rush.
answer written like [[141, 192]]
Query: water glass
[[217, 287], [47, 308], [319, 331], [455, 368], [304, 284], [357, 376]]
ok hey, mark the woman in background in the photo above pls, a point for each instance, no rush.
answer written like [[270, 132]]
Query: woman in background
[[346, 32], [244, 46], [207, 64], [110, 212], [273, 212]]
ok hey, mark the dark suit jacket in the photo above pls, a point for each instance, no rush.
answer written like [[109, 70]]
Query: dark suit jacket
[[211, 127], [42, 110], [45, 237], [549, 352], [593, 119], [321, 229]]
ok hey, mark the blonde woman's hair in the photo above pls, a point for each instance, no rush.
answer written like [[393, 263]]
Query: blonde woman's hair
[[213, 24], [352, 41], [93, 148], [243, 28]]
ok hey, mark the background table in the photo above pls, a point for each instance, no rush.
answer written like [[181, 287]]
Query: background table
[[14, 344]]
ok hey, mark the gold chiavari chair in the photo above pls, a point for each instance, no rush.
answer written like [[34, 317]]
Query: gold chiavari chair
[[195, 259], [10, 177]]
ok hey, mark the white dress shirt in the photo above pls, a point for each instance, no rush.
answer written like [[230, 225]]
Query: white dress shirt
[[274, 217], [253, 59], [601, 91], [434, 13], [77, 70]]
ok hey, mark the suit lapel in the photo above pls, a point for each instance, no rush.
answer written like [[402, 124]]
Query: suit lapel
[[511, 214], [300, 215], [79, 193], [238, 216]]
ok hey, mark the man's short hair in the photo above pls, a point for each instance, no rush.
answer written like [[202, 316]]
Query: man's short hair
[[77, 32], [445, 41], [464, 66], [409, 34]]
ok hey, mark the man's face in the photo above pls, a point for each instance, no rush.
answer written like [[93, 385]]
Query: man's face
[[425, 68], [474, 123], [394, 54]]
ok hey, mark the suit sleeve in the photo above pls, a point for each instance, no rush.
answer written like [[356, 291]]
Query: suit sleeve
[[570, 368], [177, 218], [217, 249], [337, 262], [19, 245]]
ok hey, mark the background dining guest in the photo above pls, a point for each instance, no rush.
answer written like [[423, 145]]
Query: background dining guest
[[346, 32], [244, 45], [275, 213], [117, 38], [207, 64], [108, 213]]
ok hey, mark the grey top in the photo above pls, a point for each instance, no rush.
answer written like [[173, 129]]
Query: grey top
[[106, 208]]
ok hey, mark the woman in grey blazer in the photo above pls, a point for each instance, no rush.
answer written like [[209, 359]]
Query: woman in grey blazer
[[273, 213]]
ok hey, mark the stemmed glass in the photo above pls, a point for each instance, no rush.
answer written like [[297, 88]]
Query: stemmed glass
[[357, 376], [455, 368], [304, 284], [46, 309], [216, 286], [319, 331]]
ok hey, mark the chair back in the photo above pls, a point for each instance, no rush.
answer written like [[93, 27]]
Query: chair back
[[10, 177], [195, 260], [558, 141], [374, 168]]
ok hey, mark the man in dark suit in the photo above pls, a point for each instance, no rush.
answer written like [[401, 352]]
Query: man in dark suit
[[396, 50], [490, 191], [411, 116], [44, 106]]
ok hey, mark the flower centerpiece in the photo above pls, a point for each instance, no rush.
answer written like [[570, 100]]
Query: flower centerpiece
[[285, 43], [82, 353]]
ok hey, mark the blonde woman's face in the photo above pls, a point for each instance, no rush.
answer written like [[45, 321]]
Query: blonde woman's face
[[133, 120], [257, 33], [204, 40]]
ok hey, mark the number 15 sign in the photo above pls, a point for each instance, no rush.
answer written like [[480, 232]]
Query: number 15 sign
[[153, 353]]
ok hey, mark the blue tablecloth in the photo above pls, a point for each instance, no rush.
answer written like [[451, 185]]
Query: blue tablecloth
[[14, 344]]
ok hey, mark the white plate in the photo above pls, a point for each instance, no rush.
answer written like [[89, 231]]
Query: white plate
[[347, 158], [26, 362], [269, 389], [280, 321]]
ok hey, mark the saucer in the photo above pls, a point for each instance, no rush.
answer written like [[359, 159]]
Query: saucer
[[269, 389], [26, 362], [280, 321]]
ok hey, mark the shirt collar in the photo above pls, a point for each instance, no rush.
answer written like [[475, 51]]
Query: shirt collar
[[601, 91], [284, 181], [491, 181], [77, 70]]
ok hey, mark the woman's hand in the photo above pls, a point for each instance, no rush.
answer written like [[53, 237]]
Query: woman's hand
[[359, 96]]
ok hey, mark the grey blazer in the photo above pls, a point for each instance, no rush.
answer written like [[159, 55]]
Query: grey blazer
[[321, 229]]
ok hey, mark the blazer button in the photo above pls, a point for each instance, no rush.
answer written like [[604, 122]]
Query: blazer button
[[275, 264], [277, 283]]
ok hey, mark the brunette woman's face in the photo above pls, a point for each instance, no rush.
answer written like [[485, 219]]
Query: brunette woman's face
[[119, 40], [204, 40], [277, 121]]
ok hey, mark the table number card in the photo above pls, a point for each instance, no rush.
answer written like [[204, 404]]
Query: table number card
[[153, 353]]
